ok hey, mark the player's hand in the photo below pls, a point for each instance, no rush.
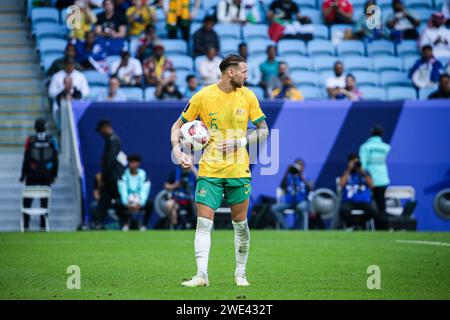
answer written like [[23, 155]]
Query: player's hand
[[183, 159]]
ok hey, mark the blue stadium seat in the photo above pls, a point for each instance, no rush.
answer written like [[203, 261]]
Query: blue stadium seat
[[324, 63], [48, 31], [47, 46], [358, 3], [258, 46], [409, 61], [39, 15], [160, 15], [407, 48], [297, 63], [414, 4], [352, 64], [339, 29], [394, 78], [197, 61], [47, 60], [424, 14], [255, 31], [351, 48], [133, 46], [366, 78], [182, 62], [111, 59], [385, 63], [228, 30], [373, 93], [425, 92], [401, 93], [320, 48], [133, 94], [321, 32], [324, 76], [312, 93], [175, 46], [181, 77], [228, 46], [306, 4], [194, 27], [314, 14], [358, 11], [200, 15], [97, 11], [438, 4], [380, 48], [258, 92], [95, 78], [305, 78], [149, 93], [291, 46], [95, 91], [161, 30], [206, 4]]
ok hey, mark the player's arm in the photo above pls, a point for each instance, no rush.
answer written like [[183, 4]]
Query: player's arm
[[175, 134], [260, 134]]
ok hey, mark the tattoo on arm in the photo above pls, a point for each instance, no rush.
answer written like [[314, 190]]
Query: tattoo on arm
[[260, 134]]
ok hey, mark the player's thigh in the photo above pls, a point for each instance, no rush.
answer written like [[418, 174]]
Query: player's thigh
[[237, 192], [208, 196]]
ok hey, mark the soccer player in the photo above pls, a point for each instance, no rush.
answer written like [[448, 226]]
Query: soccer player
[[225, 108]]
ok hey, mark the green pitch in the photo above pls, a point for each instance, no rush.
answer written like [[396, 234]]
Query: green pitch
[[282, 265]]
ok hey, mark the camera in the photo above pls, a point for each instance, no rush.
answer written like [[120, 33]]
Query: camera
[[357, 165]]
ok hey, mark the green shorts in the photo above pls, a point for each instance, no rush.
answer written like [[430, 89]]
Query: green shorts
[[209, 191]]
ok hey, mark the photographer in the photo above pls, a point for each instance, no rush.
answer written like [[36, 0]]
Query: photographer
[[296, 188], [356, 185]]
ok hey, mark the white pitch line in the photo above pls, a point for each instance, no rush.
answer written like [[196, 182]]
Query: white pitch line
[[431, 243]]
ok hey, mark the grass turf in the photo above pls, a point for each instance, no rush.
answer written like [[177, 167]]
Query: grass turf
[[282, 265]]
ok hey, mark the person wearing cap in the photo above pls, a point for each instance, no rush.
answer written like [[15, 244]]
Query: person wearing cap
[[437, 36], [156, 66], [40, 164], [287, 91], [205, 37], [79, 81], [113, 165], [426, 71], [373, 154], [403, 22], [128, 70]]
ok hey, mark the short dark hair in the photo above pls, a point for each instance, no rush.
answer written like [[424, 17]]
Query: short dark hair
[[377, 130], [338, 62], [350, 75], [270, 46], [242, 44], [134, 157], [425, 47], [189, 77], [444, 75], [103, 123], [111, 77], [230, 60], [69, 60], [209, 18], [352, 156]]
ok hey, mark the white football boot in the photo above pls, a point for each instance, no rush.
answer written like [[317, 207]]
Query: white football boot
[[196, 281], [241, 281]]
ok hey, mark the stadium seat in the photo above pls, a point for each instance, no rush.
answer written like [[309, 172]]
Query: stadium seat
[[312, 93], [96, 78], [324, 76], [95, 91], [394, 78], [194, 27], [401, 93], [352, 64], [206, 4], [228, 30], [366, 78], [338, 30], [47, 60], [133, 94], [305, 78], [255, 31], [111, 59], [181, 77], [358, 3], [385, 63], [200, 15], [414, 4], [424, 14], [314, 14], [182, 62], [197, 62], [259, 92], [306, 4], [321, 32], [228, 46], [297, 63], [438, 4], [373, 93], [425, 92], [174, 46], [258, 46], [407, 48], [351, 48], [380, 48], [48, 46], [409, 61], [160, 15], [133, 46], [49, 30], [291, 46], [149, 93], [324, 63], [39, 15], [320, 48], [161, 30]]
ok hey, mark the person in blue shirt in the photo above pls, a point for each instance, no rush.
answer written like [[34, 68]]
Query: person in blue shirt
[[192, 86], [91, 52], [134, 190], [427, 69], [296, 189], [356, 185]]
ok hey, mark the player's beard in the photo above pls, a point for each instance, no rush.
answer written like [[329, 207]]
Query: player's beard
[[236, 84]]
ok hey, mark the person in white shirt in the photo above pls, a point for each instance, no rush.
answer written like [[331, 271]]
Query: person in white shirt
[[209, 68], [402, 22], [337, 82], [437, 36], [78, 80], [231, 11], [128, 70], [113, 94]]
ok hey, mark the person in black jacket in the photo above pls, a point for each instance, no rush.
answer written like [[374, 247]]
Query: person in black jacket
[[40, 165], [113, 165], [205, 37]]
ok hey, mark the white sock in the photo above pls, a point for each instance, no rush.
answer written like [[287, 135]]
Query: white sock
[[241, 245], [202, 245]]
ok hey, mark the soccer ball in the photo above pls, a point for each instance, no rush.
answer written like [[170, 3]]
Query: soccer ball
[[194, 134]]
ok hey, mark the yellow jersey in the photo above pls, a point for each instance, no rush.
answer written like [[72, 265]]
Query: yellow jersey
[[226, 115], [138, 26]]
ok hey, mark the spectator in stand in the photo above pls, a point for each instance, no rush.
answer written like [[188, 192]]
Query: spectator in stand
[[134, 189], [179, 16], [128, 70], [350, 91], [156, 65], [113, 94], [437, 36], [205, 37], [145, 47], [403, 22], [87, 20], [167, 89], [59, 64], [277, 82], [361, 30], [253, 10], [443, 91], [69, 92], [336, 83], [287, 22], [253, 72], [112, 26], [287, 91], [237, 11], [78, 80], [209, 68], [139, 17], [446, 12], [337, 11], [426, 70], [356, 185], [91, 53], [192, 86], [269, 69]]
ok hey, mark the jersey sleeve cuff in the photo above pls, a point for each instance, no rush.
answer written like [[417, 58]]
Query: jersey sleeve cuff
[[259, 120], [183, 119]]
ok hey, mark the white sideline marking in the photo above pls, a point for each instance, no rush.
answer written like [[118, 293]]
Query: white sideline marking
[[432, 243]]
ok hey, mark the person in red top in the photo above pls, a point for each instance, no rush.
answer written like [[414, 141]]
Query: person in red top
[[337, 11]]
